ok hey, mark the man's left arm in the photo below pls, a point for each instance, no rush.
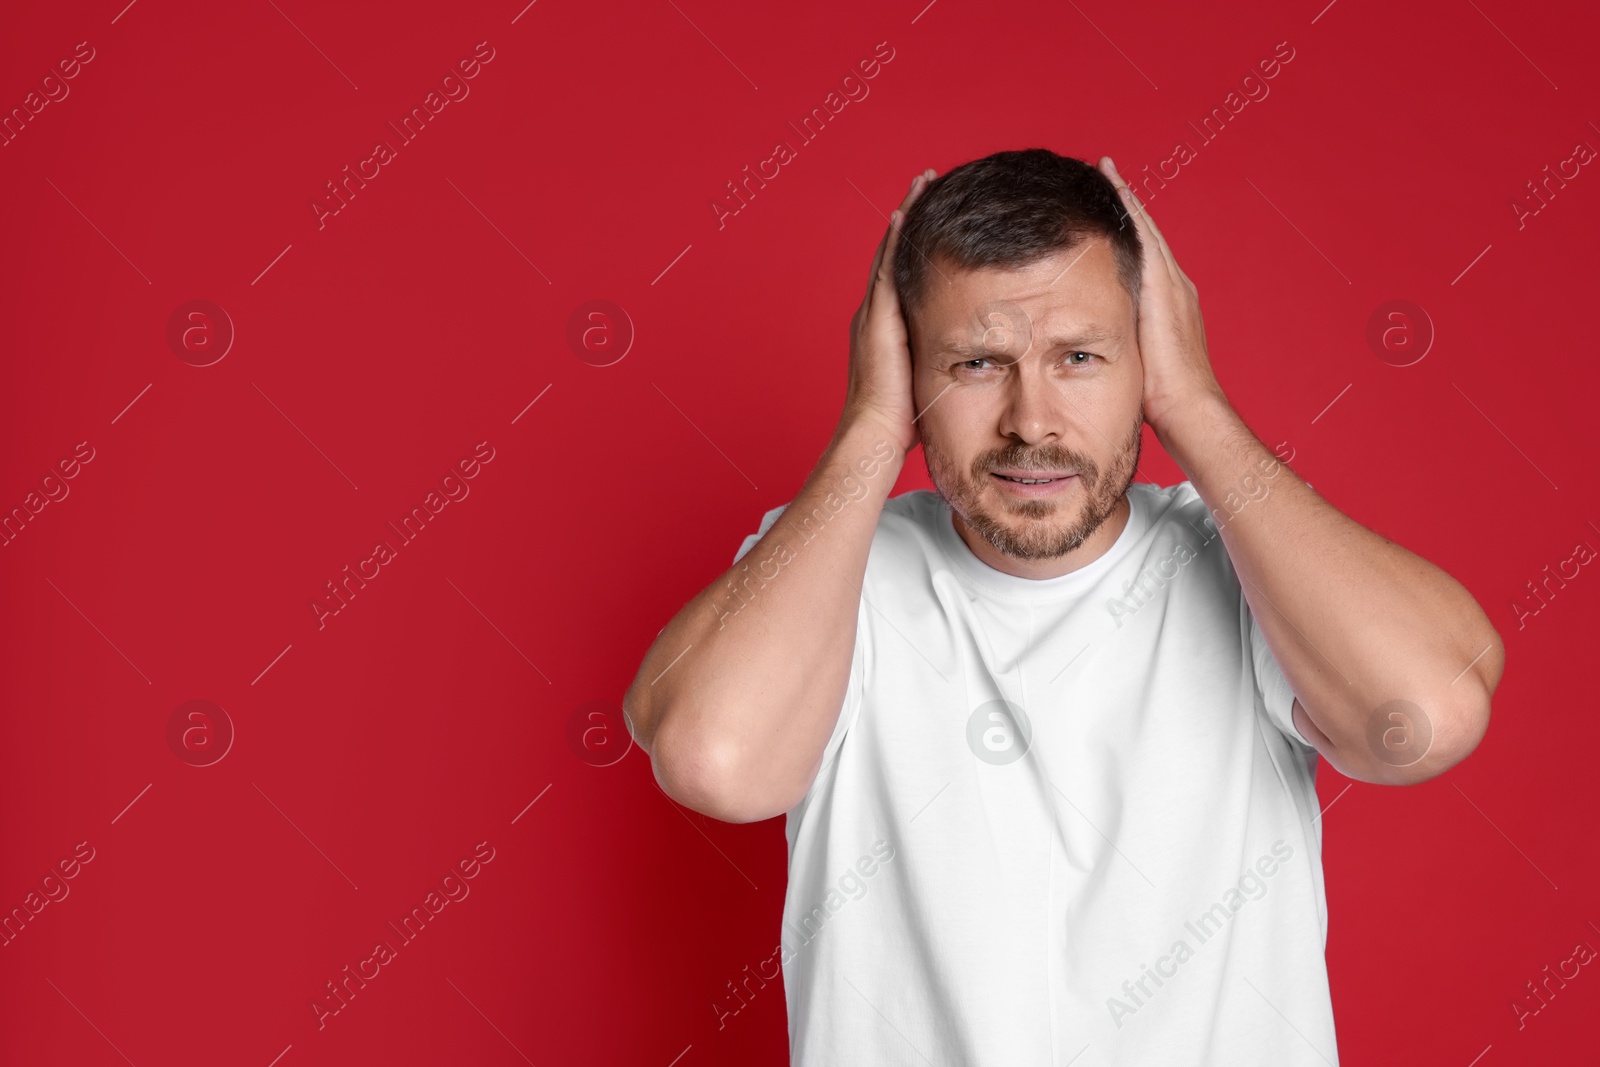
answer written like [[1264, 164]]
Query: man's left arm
[[1391, 660]]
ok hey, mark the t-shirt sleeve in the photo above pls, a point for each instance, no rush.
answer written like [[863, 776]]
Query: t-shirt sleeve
[[1273, 686], [766, 524], [852, 695]]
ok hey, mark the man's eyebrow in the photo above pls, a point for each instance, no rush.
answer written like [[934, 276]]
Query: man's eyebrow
[[1085, 335]]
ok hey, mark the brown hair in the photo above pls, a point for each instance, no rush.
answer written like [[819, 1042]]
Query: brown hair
[[1008, 210]]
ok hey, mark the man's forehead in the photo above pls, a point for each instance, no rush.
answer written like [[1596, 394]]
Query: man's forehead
[[1076, 286], [972, 339]]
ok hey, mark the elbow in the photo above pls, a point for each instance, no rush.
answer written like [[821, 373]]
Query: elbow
[[1438, 739], [1451, 733], [708, 777], [689, 769], [697, 764], [639, 715]]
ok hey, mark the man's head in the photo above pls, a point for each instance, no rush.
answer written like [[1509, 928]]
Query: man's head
[[1018, 275]]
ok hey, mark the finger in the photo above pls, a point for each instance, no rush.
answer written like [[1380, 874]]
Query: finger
[[1141, 214], [884, 277], [918, 184], [1142, 218], [1161, 243], [877, 262], [1147, 226], [883, 244]]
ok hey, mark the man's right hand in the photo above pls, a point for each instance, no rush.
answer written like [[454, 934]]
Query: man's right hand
[[880, 347]]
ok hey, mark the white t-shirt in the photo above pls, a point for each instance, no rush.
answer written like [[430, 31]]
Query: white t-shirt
[[1066, 820]]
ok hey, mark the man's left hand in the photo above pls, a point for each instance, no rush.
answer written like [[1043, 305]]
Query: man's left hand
[[1172, 335]]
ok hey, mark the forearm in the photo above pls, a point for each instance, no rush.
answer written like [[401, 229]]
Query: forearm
[[738, 695], [1354, 620]]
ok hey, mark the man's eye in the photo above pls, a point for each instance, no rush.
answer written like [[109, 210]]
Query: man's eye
[[1074, 359]]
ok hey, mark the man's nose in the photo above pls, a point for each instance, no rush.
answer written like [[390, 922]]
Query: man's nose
[[1033, 403]]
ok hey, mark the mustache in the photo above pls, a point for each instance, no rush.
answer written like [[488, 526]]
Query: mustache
[[1045, 457]]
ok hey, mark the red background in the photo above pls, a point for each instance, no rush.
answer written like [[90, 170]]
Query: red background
[[373, 353]]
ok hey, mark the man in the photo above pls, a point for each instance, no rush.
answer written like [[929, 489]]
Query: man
[[1046, 739]]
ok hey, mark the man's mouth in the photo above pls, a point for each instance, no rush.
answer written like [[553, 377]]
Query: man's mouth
[[1032, 484], [1022, 477]]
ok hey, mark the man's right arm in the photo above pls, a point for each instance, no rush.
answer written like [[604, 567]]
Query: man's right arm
[[738, 695]]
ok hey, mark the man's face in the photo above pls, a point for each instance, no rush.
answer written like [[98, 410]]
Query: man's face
[[1030, 374]]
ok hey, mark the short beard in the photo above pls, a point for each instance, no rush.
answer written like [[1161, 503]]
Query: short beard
[[1038, 538]]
